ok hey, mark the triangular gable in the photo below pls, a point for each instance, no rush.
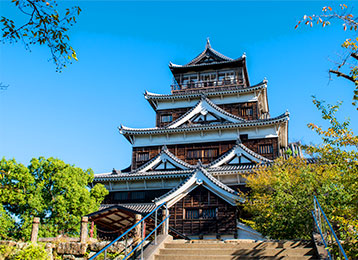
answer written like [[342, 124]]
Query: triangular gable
[[199, 177], [165, 160], [205, 112], [239, 154]]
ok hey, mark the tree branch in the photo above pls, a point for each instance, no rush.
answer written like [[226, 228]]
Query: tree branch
[[340, 74]]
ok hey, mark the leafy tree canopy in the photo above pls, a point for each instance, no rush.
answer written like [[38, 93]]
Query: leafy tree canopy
[[281, 199], [44, 26], [56, 192]]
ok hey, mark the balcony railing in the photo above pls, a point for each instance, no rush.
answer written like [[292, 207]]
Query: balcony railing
[[207, 85]]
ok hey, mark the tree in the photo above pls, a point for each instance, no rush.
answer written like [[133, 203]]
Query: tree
[[281, 198], [347, 66], [44, 26], [6, 223], [56, 192]]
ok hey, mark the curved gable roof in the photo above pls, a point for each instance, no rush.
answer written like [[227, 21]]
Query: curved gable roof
[[239, 150], [204, 106], [163, 157], [199, 177]]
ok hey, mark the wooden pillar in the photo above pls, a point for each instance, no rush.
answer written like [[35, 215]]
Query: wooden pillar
[[165, 223], [35, 229], [92, 228], [84, 230], [137, 229]]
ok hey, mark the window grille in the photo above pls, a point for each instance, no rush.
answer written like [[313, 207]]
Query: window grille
[[166, 118], [192, 214], [121, 196], [141, 157], [265, 148], [202, 153], [208, 213], [246, 111], [137, 195]]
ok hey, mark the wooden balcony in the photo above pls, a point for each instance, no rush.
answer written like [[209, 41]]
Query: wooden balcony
[[203, 86]]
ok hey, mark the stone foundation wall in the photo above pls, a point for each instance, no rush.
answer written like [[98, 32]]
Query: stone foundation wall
[[70, 250]]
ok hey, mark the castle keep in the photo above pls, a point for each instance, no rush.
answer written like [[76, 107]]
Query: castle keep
[[212, 128]]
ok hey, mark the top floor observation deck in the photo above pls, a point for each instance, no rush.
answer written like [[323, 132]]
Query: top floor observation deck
[[209, 71], [216, 81]]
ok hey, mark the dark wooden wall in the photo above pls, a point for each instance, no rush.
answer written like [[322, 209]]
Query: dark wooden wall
[[201, 198], [181, 150], [235, 109]]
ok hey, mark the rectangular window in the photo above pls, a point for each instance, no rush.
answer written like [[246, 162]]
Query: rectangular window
[[138, 195], [210, 153], [191, 214], [194, 154], [209, 213], [265, 148], [166, 118], [244, 137], [202, 153], [246, 111], [141, 157], [121, 196]]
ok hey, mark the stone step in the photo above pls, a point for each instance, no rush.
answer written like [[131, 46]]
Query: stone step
[[237, 251], [253, 245], [231, 257]]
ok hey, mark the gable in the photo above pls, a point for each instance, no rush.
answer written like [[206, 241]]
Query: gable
[[205, 112], [165, 160], [239, 154]]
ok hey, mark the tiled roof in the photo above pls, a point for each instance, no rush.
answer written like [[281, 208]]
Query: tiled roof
[[141, 208], [159, 130], [149, 95], [208, 52]]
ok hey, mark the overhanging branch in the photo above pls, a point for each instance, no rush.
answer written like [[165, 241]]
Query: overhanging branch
[[340, 74]]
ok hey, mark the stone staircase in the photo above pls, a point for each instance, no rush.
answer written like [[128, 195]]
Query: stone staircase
[[235, 249]]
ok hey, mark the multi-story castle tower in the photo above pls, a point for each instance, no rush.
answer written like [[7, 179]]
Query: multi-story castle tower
[[212, 128]]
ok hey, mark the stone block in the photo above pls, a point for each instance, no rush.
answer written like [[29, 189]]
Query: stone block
[[71, 248]]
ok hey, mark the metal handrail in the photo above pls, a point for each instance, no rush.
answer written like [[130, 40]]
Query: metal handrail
[[317, 214], [104, 249], [207, 84]]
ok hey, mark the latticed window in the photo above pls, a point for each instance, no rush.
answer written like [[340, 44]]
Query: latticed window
[[210, 153], [137, 195], [209, 213], [246, 111], [121, 196], [166, 118], [202, 153], [192, 213], [142, 157], [265, 148]]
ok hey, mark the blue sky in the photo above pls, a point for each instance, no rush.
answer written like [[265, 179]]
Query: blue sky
[[124, 49]]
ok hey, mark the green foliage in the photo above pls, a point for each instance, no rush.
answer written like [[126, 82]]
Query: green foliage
[[44, 25], [6, 223], [282, 194], [56, 192], [29, 252]]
